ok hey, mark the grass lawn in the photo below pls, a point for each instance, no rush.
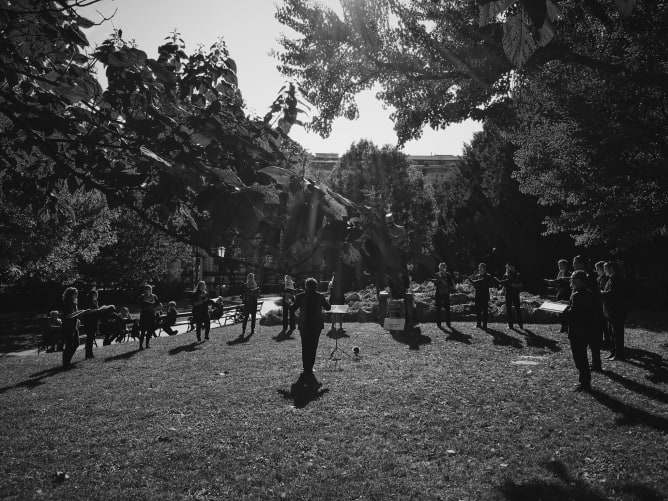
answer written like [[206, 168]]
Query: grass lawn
[[469, 415]]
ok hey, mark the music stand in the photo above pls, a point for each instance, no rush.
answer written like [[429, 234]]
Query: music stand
[[340, 309]]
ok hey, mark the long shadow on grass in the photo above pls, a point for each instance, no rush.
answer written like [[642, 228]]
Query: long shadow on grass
[[649, 361], [186, 347], [459, 336], [35, 379], [647, 391], [629, 415], [536, 341], [413, 337], [302, 395], [122, 356], [503, 339], [284, 336], [563, 487]]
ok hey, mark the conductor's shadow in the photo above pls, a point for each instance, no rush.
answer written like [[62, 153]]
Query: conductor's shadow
[[536, 341], [186, 347], [629, 415], [412, 336], [301, 395], [503, 339], [455, 335], [649, 361]]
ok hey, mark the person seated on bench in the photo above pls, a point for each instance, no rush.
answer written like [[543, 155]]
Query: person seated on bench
[[170, 319], [53, 335], [249, 297]]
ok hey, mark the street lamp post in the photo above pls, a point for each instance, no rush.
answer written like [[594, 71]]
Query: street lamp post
[[220, 252]]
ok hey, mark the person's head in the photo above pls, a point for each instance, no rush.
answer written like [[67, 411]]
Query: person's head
[[578, 279], [250, 278], [53, 315], [171, 305], [600, 268], [125, 311], [311, 284], [482, 268], [70, 295], [201, 286], [579, 262], [562, 264], [610, 268], [510, 267], [148, 289], [442, 267]]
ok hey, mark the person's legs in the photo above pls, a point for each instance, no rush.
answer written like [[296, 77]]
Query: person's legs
[[617, 322], [244, 321], [438, 303], [142, 333], [198, 328], [253, 314], [309, 350], [71, 343], [484, 311], [446, 307], [286, 317], [509, 312], [518, 312], [579, 350], [91, 331], [207, 327]]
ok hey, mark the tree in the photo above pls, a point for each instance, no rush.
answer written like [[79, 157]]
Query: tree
[[383, 178], [436, 63]]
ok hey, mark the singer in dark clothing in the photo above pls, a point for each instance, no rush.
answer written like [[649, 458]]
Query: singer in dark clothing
[[310, 304], [582, 325], [512, 285], [615, 307]]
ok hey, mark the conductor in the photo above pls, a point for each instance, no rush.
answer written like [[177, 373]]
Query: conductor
[[310, 304]]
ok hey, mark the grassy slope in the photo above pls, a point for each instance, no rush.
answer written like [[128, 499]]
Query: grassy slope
[[449, 418]]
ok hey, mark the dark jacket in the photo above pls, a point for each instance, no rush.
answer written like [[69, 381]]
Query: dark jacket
[[200, 303], [310, 306], [615, 296], [444, 283], [250, 297], [582, 314], [482, 284], [512, 284]]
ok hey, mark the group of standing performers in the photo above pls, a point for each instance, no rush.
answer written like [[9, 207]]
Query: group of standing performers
[[482, 282], [595, 315]]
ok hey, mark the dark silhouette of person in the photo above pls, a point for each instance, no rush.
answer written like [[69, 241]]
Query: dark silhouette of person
[[581, 263], [310, 304], [444, 285], [512, 285], [91, 323], [616, 308], [200, 311], [582, 325]]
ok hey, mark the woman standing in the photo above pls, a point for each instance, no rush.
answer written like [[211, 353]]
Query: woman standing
[[70, 331], [148, 305], [288, 299], [249, 297], [200, 303]]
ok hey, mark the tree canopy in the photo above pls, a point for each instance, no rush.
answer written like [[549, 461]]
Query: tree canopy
[[579, 87]]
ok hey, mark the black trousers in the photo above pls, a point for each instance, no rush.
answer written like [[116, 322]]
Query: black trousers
[[147, 332], [579, 350], [252, 312], [309, 349], [288, 318], [71, 340], [91, 332], [617, 327], [481, 309], [442, 301], [513, 303], [202, 323]]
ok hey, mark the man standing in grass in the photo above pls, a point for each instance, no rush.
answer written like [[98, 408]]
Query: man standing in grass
[[310, 304], [443, 286], [582, 324]]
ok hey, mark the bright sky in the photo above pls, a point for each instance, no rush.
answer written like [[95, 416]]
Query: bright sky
[[250, 31]]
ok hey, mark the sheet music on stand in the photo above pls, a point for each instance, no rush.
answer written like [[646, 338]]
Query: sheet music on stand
[[553, 306], [338, 309]]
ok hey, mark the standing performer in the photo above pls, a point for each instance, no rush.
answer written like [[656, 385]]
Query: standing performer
[[512, 285], [582, 325], [581, 263], [310, 304], [616, 307], [288, 299], [148, 305], [70, 320], [249, 297], [443, 286], [200, 312], [601, 280], [91, 323], [482, 283]]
